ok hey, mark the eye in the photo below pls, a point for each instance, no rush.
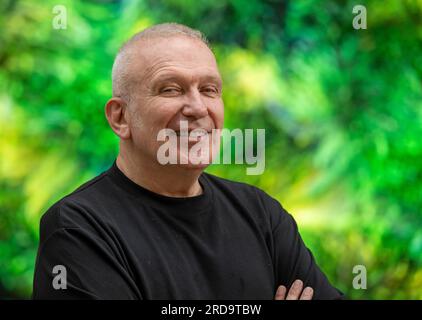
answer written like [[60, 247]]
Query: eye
[[210, 89], [170, 90]]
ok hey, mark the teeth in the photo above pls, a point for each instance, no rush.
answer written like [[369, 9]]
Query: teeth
[[188, 133]]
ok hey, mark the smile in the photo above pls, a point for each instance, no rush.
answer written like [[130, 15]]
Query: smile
[[196, 133]]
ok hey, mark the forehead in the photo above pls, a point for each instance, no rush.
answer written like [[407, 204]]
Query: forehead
[[157, 57]]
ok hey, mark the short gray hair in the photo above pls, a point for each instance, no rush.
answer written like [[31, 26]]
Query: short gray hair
[[122, 62]]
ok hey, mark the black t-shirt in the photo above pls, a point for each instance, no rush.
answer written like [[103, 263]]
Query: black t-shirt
[[117, 240]]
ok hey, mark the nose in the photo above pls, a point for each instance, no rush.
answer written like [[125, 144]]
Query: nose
[[194, 106]]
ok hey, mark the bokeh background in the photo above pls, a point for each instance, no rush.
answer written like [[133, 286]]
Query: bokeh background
[[341, 107]]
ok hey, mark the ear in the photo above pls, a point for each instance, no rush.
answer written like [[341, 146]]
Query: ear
[[115, 111]]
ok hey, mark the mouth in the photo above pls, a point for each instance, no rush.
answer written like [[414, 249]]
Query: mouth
[[194, 136], [193, 133]]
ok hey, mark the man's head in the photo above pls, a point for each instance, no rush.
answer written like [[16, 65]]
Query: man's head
[[161, 76]]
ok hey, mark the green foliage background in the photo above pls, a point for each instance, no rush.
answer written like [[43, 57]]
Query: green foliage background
[[341, 107]]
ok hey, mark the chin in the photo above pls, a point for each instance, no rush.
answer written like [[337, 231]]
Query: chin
[[192, 166]]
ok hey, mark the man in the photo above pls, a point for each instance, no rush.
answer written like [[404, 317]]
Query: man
[[143, 230]]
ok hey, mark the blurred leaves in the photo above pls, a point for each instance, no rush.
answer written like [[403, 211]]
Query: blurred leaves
[[342, 109]]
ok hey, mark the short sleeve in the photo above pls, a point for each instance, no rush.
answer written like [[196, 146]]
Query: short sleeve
[[91, 269]]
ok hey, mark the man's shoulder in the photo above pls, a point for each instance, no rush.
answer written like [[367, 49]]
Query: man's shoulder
[[84, 193], [241, 189], [252, 197], [69, 211]]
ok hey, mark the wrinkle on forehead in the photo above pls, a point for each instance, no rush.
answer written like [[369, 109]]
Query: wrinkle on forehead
[[166, 71], [153, 56]]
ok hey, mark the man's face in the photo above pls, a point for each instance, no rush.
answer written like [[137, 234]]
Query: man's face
[[174, 79]]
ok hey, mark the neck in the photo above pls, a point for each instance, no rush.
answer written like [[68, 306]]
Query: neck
[[167, 180]]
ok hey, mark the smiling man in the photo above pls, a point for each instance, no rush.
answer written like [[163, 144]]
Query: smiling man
[[144, 230]]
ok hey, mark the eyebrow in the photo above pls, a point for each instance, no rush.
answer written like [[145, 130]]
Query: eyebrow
[[175, 77]]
